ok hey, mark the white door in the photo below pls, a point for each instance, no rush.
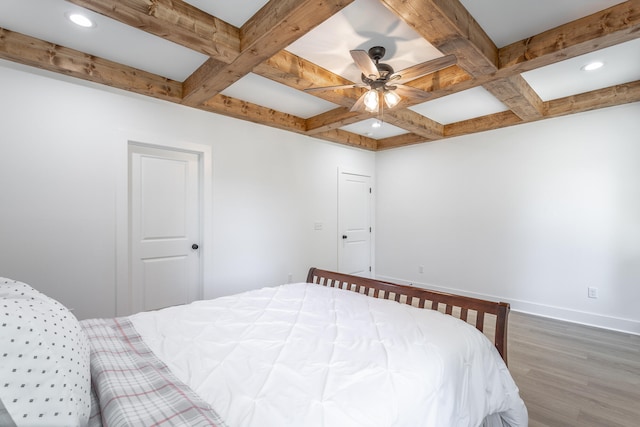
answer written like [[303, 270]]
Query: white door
[[354, 224], [165, 227]]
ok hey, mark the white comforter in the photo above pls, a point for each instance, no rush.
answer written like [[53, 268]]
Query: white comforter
[[306, 355]]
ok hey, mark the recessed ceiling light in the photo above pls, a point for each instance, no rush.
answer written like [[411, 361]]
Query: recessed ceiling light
[[81, 20], [592, 66]]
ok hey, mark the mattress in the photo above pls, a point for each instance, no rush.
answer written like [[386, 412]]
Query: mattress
[[307, 355]]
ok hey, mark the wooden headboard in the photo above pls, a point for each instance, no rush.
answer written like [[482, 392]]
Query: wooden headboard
[[471, 310]]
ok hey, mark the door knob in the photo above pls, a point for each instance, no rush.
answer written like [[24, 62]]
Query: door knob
[[194, 246]]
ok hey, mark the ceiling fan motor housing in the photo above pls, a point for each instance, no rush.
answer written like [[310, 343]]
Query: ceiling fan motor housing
[[385, 71], [377, 53]]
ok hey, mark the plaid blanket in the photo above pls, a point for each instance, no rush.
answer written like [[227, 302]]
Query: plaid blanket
[[132, 387]]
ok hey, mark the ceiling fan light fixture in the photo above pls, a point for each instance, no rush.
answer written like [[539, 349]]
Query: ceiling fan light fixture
[[371, 101], [377, 77], [391, 98]]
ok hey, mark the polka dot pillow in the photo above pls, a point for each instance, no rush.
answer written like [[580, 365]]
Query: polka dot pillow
[[44, 360]]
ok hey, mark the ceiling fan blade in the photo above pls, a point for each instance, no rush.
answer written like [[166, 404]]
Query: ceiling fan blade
[[365, 64], [315, 89], [423, 68], [408, 92], [359, 105]]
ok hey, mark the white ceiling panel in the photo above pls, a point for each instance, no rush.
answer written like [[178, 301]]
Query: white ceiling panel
[[566, 78], [235, 12], [366, 128], [267, 93], [508, 21], [109, 39], [362, 25], [469, 104]]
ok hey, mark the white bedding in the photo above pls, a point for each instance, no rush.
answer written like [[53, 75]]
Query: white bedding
[[307, 355]]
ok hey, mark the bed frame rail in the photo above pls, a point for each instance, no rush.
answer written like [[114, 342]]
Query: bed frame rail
[[470, 310]]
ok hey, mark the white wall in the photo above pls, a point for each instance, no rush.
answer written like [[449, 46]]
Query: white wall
[[531, 214], [61, 166]]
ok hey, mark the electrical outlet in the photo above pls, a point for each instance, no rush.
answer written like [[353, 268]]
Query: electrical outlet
[[290, 278], [421, 269], [592, 292]]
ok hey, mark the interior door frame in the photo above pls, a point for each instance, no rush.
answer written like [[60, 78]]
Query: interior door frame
[[372, 218], [123, 273]]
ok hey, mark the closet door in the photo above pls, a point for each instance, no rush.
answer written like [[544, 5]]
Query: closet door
[[354, 224]]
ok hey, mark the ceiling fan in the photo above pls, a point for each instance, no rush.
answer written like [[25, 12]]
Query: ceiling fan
[[384, 83]]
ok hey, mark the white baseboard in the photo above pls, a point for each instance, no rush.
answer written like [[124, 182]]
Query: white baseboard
[[584, 318]]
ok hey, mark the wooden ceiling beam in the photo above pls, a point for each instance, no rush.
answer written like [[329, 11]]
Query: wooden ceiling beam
[[450, 34], [414, 123], [48, 56], [401, 141], [602, 98], [289, 69], [399, 117], [334, 119], [611, 26], [244, 110], [348, 138], [402, 118], [481, 124], [615, 25], [616, 95], [270, 30], [449, 27], [443, 79], [295, 72], [176, 21], [300, 74], [515, 93]]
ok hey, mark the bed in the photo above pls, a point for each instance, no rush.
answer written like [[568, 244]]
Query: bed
[[338, 350]]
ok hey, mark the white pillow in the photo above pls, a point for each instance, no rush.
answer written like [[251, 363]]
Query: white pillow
[[44, 360]]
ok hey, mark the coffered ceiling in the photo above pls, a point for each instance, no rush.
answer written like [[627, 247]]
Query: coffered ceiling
[[518, 61]]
